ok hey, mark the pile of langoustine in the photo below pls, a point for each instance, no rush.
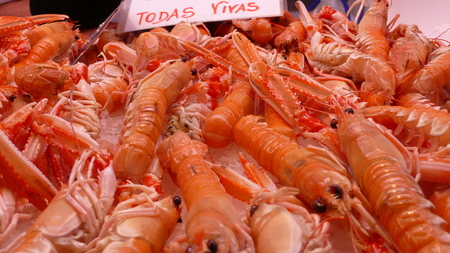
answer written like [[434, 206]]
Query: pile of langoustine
[[349, 119]]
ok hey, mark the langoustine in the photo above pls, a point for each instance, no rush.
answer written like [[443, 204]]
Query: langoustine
[[74, 217], [145, 116], [209, 227], [381, 170], [325, 185], [275, 212]]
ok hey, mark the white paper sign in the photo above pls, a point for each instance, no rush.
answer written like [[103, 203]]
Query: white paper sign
[[431, 16], [145, 14]]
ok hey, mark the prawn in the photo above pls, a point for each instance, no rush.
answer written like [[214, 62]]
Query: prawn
[[220, 123], [273, 208], [378, 76], [408, 62], [371, 37], [425, 126], [38, 73], [212, 223], [277, 123], [107, 82], [432, 77], [151, 46], [20, 174], [272, 86], [44, 30], [380, 168], [324, 184], [144, 118], [74, 217], [139, 223], [441, 200]]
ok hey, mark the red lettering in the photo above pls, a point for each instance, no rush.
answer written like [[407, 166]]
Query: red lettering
[[241, 8], [141, 15], [225, 7], [216, 6], [231, 8], [152, 15], [161, 18], [174, 14], [252, 5], [187, 13]]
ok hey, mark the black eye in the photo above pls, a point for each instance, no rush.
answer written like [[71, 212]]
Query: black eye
[[176, 201], [337, 190], [319, 205], [349, 111], [184, 59], [212, 246], [12, 98], [194, 72], [189, 250], [334, 123], [253, 209]]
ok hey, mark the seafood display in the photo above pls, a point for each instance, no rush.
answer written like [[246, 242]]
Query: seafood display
[[291, 134]]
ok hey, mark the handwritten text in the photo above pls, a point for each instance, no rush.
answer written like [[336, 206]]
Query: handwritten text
[[225, 7], [164, 16]]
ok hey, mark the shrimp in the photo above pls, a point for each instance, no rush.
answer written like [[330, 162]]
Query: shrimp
[[430, 125], [432, 77], [441, 200], [264, 30], [269, 222], [415, 100], [220, 123], [107, 36], [151, 46], [13, 39], [217, 60], [10, 25], [139, 223], [324, 184], [144, 118], [11, 100], [191, 32], [294, 33], [52, 47], [108, 84], [272, 86], [20, 174], [44, 30], [187, 118], [326, 57], [259, 29], [380, 168], [372, 31], [212, 223], [74, 217], [39, 76], [378, 76], [339, 23], [275, 212], [80, 110], [277, 123], [408, 62], [12, 210]]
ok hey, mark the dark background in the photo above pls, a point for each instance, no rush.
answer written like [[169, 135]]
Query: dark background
[[291, 4]]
